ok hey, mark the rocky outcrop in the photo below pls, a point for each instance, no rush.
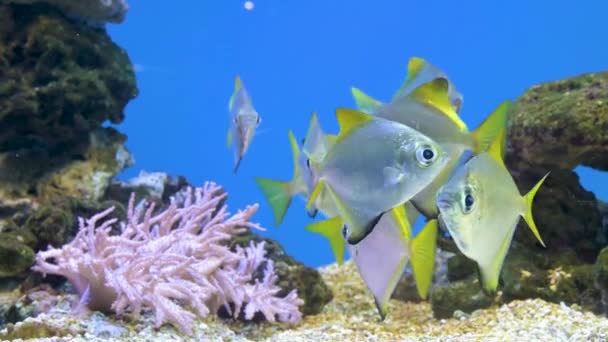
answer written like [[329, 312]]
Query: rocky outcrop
[[60, 81], [93, 11]]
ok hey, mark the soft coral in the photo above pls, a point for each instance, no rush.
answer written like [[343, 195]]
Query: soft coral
[[170, 262]]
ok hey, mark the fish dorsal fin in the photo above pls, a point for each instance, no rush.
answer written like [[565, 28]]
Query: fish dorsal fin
[[350, 119], [496, 149], [295, 153], [237, 86], [484, 135], [312, 125], [414, 66], [237, 83], [435, 94], [364, 102]]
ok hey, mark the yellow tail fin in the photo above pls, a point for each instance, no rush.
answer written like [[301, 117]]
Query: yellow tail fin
[[332, 230], [278, 194], [423, 257], [484, 135], [529, 198]]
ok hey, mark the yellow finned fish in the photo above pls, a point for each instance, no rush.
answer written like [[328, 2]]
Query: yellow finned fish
[[374, 166], [480, 206]]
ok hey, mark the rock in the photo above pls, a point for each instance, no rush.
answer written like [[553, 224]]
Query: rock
[[15, 254], [567, 215], [600, 275], [152, 186], [465, 295], [562, 124], [61, 80], [93, 11], [292, 274]]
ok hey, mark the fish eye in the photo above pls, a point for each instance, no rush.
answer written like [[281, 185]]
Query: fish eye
[[426, 155], [344, 231], [468, 201], [259, 120]]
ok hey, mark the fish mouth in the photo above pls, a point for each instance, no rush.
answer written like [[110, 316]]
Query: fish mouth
[[443, 202]]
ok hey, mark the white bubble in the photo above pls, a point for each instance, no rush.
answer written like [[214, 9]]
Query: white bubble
[[249, 5]]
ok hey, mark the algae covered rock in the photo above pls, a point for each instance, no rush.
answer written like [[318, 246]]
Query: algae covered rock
[[15, 254], [562, 124], [61, 80], [94, 11], [566, 214], [600, 274]]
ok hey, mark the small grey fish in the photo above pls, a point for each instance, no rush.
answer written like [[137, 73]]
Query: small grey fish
[[244, 120]]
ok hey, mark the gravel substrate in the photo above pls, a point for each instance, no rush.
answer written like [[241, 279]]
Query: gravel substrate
[[351, 316]]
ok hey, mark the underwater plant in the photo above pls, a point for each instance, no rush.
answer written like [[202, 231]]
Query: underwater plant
[[171, 261]]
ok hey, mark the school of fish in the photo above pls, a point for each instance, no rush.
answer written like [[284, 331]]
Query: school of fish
[[391, 163]]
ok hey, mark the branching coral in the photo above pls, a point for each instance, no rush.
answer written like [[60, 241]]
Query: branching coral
[[174, 262]]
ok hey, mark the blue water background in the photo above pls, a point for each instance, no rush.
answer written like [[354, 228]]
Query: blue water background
[[296, 57]]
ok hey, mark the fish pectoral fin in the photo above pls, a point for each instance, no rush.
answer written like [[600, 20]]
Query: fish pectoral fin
[[278, 194], [359, 225], [490, 271], [489, 132], [229, 138], [423, 257], [392, 176], [528, 217], [400, 216], [316, 192], [364, 102], [331, 229], [435, 94]]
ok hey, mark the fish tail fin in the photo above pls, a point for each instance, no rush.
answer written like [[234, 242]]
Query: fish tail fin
[[364, 102], [278, 194], [331, 229], [529, 199], [486, 132], [423, 257]]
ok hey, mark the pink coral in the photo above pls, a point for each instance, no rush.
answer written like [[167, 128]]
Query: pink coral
[[171, 262]]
